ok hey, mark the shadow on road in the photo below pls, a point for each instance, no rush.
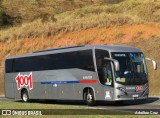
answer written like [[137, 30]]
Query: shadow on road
[[99, 103], [130, 102]]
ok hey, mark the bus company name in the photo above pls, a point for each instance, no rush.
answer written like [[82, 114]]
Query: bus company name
[[24, 80]]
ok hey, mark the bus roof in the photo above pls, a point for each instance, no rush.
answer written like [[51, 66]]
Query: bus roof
[[110, 48]]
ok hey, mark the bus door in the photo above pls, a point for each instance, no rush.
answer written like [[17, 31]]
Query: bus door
[[107, 79]]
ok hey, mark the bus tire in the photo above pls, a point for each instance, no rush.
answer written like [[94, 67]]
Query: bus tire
[[25, 96], [89, 97]]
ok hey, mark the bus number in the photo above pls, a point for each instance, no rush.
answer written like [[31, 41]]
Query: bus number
[[24, 80]]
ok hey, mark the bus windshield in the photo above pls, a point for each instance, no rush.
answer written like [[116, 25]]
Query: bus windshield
[[132, 68]]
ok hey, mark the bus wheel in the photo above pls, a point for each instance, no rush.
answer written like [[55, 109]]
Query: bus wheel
[[25, 96], [89, 97]]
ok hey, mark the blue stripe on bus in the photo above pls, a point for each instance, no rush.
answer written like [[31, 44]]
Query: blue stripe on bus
[[61, 82]]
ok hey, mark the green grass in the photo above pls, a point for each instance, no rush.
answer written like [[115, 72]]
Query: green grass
[[34, 105], [20, 105]]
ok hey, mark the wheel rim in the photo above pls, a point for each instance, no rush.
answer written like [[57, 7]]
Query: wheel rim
[[89, 97], [25, 97]]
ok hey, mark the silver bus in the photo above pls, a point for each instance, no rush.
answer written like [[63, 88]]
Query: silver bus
[[89, 73]]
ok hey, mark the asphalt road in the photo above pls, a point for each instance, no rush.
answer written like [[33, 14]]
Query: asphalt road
[[151, 103]]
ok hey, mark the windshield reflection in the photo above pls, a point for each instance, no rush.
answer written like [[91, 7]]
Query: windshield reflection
[[132, 68]]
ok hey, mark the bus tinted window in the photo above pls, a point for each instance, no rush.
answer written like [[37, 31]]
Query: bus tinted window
[[78, 59], [8, 65], [85, 60], [100, 54], [27, 64]]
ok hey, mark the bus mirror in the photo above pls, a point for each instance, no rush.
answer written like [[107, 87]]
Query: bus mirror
[[116, 63], [153, 62]]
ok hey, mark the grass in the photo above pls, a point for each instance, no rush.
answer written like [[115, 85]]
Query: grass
[[69, 109], [34, 105], [34, 9], [38, 29]]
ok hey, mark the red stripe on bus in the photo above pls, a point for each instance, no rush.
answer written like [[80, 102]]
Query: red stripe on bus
[[87, 81]]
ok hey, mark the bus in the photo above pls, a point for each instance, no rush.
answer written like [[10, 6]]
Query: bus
[[89, 73]]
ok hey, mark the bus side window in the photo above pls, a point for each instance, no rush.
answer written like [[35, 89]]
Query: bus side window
[[85, 60], [8, 66]]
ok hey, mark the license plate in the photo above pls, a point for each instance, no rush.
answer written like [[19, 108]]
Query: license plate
[[135, 96]]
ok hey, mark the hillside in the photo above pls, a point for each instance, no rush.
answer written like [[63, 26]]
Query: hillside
[[103, 15], [20, 11], [45, 24], [33, 9]]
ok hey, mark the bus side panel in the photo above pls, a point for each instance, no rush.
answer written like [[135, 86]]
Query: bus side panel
[[9, 91], [39, 90], [17, 93], [65, 91], [78, 92], [51, 87], [43, 85], [100, 91], [61, 86], [10, 86], [87, 79]]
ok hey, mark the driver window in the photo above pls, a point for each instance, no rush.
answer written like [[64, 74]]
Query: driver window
[[107, 73], [104, 67]]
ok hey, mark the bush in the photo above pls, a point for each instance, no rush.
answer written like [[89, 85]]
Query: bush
[[5, 20], [1, 2]]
